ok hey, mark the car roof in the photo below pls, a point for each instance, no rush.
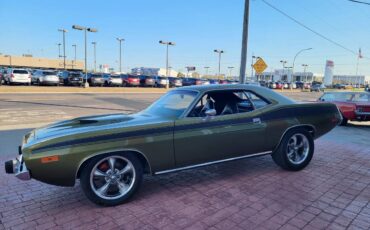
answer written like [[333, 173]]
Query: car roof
[[262, 91]]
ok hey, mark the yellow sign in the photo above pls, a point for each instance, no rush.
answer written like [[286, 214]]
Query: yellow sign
[[260, 66]]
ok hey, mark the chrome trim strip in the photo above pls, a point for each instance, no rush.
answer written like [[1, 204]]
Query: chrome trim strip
[[213, 162]]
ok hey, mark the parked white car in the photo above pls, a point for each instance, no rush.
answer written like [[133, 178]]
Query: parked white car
[[45, 77], [161, 81], [112, 80], [17, 76]]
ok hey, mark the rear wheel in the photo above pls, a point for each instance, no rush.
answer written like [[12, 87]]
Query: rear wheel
[[295, 150], [111, 179]]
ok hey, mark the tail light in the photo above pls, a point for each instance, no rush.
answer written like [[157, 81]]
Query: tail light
[[12, 75], [197, 82], [29, 75]]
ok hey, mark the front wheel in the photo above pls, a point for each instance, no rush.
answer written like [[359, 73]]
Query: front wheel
[[295, 150], [111, 179]]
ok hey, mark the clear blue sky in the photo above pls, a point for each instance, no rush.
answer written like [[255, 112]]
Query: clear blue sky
[[197, 27]]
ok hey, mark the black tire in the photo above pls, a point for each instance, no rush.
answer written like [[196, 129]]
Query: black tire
[[344, 121], [281, 154], [137, 175]]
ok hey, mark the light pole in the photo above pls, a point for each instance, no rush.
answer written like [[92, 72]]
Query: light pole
[[167, 45], [283, 62], [304, 71], [85, 29], [243, 60], [230, 69], [206, 68], [120, 40], [302, 50], [64, 31], [219, 61], [94, 44], [59, 44], [75, 48]]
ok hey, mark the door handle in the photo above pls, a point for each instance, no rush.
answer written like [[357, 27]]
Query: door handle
[[257, 120]]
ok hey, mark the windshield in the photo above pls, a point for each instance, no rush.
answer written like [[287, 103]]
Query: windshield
[[172, 104], [47, 73], [20, 71], [346, 97]]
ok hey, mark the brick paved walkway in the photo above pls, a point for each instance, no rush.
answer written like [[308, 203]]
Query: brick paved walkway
[[333, 192]]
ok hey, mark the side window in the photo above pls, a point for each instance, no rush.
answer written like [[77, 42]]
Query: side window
[[202, 106], [228, 102], [257, 101]]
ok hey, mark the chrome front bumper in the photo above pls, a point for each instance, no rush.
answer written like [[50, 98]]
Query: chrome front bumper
[[17, 167]]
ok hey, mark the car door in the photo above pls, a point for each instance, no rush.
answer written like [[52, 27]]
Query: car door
[[205, 139]]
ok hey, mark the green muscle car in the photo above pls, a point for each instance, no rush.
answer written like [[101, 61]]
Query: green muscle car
[[186, 128]]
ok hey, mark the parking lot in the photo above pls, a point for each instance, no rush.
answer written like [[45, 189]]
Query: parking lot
[[333, 192]]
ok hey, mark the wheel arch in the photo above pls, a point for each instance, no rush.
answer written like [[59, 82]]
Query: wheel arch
[[142, 158], [308, 127]]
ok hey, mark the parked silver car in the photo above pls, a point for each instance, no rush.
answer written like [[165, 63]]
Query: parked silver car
[[45, 77], [17, 76]]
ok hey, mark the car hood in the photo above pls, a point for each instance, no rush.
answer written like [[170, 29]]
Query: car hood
[[93, 126]]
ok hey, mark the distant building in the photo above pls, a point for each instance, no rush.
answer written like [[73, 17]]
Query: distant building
[[349, 79], [153, 71], [284, 75], [27, 61]]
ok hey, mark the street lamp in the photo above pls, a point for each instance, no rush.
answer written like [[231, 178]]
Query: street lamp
[[230, 69], [167, 45], [64, 31], [304, 71], [94, 44], [283, 62], [120, 40], [75, 48], [219, 61], [206, 68], [302, 50], [59, 44], [85, 29]]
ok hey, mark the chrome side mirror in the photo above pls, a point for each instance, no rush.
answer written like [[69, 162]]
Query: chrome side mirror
[[210, 112]]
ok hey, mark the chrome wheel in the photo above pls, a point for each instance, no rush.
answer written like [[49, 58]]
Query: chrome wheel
[[298, 148], [112, 177]]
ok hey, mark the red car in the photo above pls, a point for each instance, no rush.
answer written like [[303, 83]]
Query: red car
[[130, 80], [354, 106]]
